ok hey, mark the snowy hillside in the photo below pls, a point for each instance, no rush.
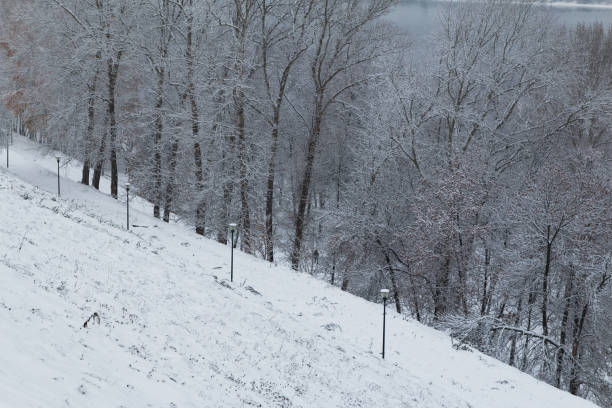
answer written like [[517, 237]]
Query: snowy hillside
[[173, 332]]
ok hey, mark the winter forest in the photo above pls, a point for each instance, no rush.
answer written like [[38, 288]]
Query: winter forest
[[467, 171]]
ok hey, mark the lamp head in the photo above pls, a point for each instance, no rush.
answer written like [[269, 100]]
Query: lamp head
[[232, 227], [384, 293], [58, 158], [127, 186]]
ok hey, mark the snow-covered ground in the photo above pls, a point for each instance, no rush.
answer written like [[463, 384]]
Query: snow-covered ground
[[174, 332]]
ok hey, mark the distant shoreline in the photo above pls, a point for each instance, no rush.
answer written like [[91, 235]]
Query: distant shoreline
[[552, 4], [420, 15], [575, 5]]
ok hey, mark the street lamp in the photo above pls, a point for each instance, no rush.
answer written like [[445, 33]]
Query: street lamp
[[232, 228], [8, 140], [58, 158], [385, 295], [127, 204]]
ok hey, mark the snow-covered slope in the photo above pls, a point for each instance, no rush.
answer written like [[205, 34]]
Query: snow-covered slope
[[173, 332]]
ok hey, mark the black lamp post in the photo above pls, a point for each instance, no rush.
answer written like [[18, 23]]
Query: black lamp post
[[385, 295], [232, 228], [58, 158], [127, 204], [8, 139]]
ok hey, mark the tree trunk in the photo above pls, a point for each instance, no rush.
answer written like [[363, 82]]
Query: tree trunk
[[269, 240], [545, 284], [171, 181], [563, 331], [517, 321], [461, 267], [113, 70], [345, 283], [396, 295], [200, 216], [224, 216], [441, 290], [463, 296], [305, 184], [245, 243], [95, 182], [485, 283], [228, 189], [91, 110], [575, 382], [85, 172], [100, 159], [157, 138], [415, 300], [396, 298], [333, 272], [531, 300]]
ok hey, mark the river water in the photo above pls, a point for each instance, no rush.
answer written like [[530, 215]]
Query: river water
[[420, 16]]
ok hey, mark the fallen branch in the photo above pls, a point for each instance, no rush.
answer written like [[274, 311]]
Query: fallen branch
[[94, 318], [527, 333]]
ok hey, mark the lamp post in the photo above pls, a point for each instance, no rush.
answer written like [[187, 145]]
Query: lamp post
[[8, 139], [232, 228], [127, 204], [385, 295], [58, 158]]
